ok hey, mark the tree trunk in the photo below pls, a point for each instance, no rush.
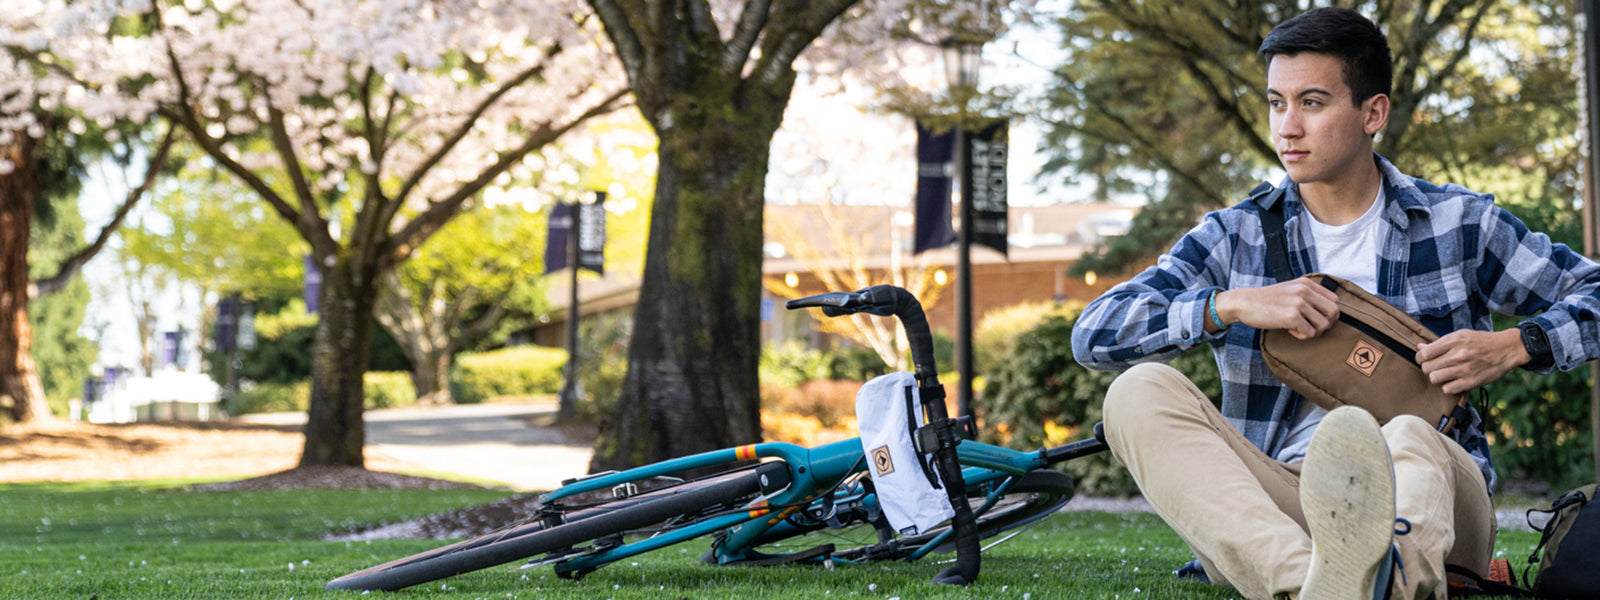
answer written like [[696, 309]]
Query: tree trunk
[[692, 381], [421, 336], [21, 393], [335, 431], [430, 373]]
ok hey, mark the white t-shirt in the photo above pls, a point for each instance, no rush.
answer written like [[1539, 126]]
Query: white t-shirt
[[1350, 252]]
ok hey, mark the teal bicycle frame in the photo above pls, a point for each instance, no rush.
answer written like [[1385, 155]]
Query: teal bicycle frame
[[814, 473]]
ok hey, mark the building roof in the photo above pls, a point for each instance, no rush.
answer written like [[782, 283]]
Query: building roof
[[1046, 233]]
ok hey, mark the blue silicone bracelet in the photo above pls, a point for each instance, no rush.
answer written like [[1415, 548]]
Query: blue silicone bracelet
[[1211, 303]]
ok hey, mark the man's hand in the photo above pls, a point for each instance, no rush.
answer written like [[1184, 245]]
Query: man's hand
[[1301, 306], [1469, 358]]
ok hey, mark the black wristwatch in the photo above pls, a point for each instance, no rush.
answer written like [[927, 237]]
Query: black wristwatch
[[1537, 345]]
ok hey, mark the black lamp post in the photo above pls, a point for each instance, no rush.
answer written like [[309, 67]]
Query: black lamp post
[[962, 57], [571, 389]]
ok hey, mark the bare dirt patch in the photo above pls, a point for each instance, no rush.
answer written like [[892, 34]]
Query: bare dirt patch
[[64, 451]]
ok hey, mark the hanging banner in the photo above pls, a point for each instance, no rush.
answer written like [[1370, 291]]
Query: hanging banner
[[987, 172], [555, 247], [313, 289], [935, 167], [225, 333], [171, 349], [592, 235]]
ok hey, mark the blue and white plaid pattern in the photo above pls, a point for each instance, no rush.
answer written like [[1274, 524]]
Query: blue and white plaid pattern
[[1450, 258]]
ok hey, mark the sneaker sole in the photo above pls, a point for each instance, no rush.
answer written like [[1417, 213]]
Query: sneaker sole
[[1347, 493]]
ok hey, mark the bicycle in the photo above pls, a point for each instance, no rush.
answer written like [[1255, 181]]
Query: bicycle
[[771, 492]]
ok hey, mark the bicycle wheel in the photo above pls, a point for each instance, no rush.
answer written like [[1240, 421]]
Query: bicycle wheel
[[1036, 495], [689, 499]]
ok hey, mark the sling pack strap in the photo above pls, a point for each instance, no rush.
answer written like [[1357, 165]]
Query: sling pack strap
[[1272, 229], [1304, 365]]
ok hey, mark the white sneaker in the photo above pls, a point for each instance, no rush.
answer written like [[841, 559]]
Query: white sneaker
[[1347, 493]]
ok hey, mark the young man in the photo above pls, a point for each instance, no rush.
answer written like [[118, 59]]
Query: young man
[[1266, 506]]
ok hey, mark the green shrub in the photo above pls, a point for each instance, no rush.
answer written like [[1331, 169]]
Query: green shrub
[[790, 364], [388, 389], [514, 371], [270, 397], [602, 365], [1039, 396], [855, 363], [285, 338], [1538, 427], [996, 334]]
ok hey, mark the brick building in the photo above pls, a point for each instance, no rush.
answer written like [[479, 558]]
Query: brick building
[[865, 243]]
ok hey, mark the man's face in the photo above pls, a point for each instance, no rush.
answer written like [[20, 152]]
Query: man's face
[[1320, 135]]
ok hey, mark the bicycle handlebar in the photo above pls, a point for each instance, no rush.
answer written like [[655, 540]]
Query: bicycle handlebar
[[885, 300]]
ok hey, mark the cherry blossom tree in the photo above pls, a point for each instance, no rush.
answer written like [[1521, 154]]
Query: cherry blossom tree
[[713, 78], [369, 125], [63, 96]]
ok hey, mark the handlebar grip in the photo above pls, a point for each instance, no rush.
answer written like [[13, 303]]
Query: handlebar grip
[[883, 300]]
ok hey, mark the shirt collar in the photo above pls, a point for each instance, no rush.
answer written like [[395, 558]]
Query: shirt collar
[[1400, 195]]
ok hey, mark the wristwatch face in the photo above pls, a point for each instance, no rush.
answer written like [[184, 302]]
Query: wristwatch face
[[1534, 342]]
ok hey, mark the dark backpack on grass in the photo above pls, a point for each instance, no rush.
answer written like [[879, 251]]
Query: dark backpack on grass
[[1568, 553]]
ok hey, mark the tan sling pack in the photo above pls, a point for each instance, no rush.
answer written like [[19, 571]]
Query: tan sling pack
[[1367, 359]]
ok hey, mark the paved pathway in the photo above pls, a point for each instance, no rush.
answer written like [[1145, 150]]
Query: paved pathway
[[494, 442]]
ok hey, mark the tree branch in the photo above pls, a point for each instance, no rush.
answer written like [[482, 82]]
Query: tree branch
[[1151, 148], [703, 28], [184, 115], [624, 38], [751, 21], [72, 265], [805, 21], [478, 328], [462, 131], [1195, 58], [1395, 131], [440, 212], [1233, 111], [369, 221], [285, 148]]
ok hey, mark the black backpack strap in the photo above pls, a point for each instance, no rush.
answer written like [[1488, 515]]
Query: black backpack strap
[[1481, 586], [1272, 228]]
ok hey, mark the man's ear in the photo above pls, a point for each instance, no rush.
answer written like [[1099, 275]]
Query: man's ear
[[1376, 111]]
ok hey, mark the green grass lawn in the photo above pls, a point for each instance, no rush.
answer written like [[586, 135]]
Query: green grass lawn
[[153, 540]]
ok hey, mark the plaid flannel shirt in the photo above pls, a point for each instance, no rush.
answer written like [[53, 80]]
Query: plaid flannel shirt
[[1449, 257]]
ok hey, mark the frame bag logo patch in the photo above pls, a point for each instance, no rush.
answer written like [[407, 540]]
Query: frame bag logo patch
[[909, 489], [882, 461], [1364, 358]]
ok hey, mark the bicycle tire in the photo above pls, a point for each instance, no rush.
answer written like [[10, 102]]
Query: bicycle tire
[[533, 539], [1037, 494]]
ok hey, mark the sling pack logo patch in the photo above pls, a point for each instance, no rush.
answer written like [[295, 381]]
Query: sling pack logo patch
[[1364, 358], [881, 462]]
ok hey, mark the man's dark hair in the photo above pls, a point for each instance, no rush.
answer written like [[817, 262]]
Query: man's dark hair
[[1343, 34]]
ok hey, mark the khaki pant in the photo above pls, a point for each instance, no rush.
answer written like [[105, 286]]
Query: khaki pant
[[1239, 510]]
